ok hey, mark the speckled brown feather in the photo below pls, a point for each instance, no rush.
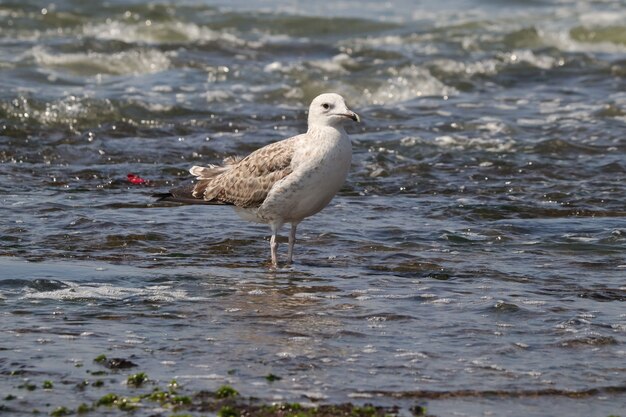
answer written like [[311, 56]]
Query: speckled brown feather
[[246, 182]]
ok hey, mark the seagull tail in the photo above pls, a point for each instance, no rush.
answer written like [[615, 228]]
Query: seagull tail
[[212, 171], [205, 173], [184, 195]]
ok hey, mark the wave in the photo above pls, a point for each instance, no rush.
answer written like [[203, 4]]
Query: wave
[[274, 57], [131, 62], [147, 32], [406, 84]]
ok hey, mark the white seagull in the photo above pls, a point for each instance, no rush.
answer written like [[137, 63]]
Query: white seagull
[[285, 181]]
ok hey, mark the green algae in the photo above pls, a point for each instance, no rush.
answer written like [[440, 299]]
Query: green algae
[[181, 400], [82, 384], [108, 399], [226, 391], [28, 386], [123, 403], [100, 358], [297, 410], [136, 380], [60, 411], [367, 411], [288, 407], [228, 411], [418, 410], [158, 396], [272, 378], [98, 373], [127, 404], [225, 401]]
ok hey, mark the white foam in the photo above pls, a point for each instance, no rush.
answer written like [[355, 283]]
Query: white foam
[[461, 142], [533, 302], [406, 84], [541, 61], [217, 95], [485, 67], [360, 395], [73, 291], [134, 62], [442, 301], [306, 295], [161, 33], [337, 64], [412, 355], [413, 44]]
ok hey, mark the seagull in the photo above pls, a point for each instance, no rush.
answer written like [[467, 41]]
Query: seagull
[[285, 181]]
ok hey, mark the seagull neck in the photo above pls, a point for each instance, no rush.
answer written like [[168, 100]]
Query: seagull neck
[[317, 129]]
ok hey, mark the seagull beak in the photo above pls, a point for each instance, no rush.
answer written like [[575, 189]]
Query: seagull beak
[[351, 115]]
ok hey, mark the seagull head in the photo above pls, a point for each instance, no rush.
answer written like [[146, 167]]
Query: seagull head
[[330, 109]]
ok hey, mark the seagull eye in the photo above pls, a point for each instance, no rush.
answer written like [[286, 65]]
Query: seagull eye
[[326, 106]]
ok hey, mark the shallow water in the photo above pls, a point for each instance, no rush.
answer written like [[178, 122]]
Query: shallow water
[[475, 261]]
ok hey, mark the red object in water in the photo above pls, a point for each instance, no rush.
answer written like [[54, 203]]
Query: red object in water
[[136, 179]]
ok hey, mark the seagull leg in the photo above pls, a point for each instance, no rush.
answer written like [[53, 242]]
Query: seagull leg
[[273, 247], [292, 242]]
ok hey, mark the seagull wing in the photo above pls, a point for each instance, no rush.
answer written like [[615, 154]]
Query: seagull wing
[[246, 182]]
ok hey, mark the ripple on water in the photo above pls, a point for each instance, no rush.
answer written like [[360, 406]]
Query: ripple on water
[[475, 253]]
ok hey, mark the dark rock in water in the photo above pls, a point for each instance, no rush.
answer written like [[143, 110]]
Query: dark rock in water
[[119, 363]]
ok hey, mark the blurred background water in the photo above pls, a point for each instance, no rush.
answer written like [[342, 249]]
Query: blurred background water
[[475, 261]]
